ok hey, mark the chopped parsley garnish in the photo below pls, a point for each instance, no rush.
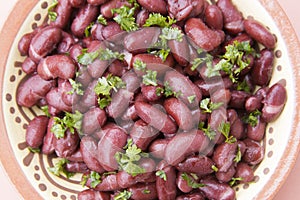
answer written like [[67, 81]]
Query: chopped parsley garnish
[[125, 195], [214, 168], [252, 118], [234, 180], [76, 87], [139, 65], [207, 106], [52, 14], [209, 132], [95, 179], [70, 121], [167, 91], [161, 174], [150, 78], [45, 109], [192, 98], [104, 87], [224, 128], [238, 156], [146, 191], [125, 17], [59, 168], [34, 150], [84, 179], [101, 20], [204, 58], [87, 30], [190, 181], [156, 19], [86, 58], [128, 161]]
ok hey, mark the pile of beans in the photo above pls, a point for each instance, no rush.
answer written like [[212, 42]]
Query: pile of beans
[[164, 126]]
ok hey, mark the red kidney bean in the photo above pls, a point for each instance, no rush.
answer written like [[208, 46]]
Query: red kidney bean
[[238, 99], [96, 32], [112, 32], [48, 141], [96, 2], [65, 87], [263, 68], [44, 42], [214, 17], [63, 10], [66, 43], [181, 10], [221, 96], [132, 81], [106, 8], [138, 191], [254, 153], [236, 124], [84, 77], [141, 17], [77, 3], [67, 145], [75, 51], [184, 87], [257, 132], [224, 155], [245, 172], [166, 189], [160, 6], [274, 103], [141, 40], [36, 131], [200, 165], [89, 151], [215, 190], [180, 113], [117, 68], [192, 196], [195, 28], [233, 18], [112, 142], [208, 87], [150, 92], [54, 99], [84, 17], [153, 63], [119, 103], [76, 156], [31, 90], [260, 33], [94, 119], [24, 43], [226, 176], [89, 98], [184, 144], [108, 183], [157, 148], [28, 66], [253, 103], [155, 117], [130, 114], [56, 66], [93, 194], [183, 184], [76, 167], [216, 118]]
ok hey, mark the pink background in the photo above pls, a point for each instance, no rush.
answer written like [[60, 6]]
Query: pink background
[[290, 190]]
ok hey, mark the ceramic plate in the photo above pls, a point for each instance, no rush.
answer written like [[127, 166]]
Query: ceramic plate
[[29, 172]]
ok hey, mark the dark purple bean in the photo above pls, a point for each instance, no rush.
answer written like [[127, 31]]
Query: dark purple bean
[[117, 68], [77, 3], [192, 196], [63, 10], [256, 132], [221, 96], [76, 167], [274, 102], [89, 98], [225, 177], [160, 6], [130, 114], [119, 103], [150, 92], [212, 85], [75, 51], [96, 2], [214, 17], [132, 81], [93, 194], [260, 33], [200, 165], [245, 172], [54, 99], [67, 145], [48, 141], [224, 155], [236, 124], [84, 77], [66, 43], [92, 120], [112, 32], [36, 131], [76, 156], [253, 103], [181, 10], [96, 32], [141, 17], [108, 183], [28, 66], [106, 8], [166, 189], [182, 184], [157, 148], [24, 43], [238, 99], [155, 117], [254, 153], [138, 191], [215, 190]]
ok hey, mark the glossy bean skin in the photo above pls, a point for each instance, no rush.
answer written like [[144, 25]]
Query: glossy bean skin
[[181, 10], [67, 145], [238, 99], [260, 33], [66, 43], [137, 191], [76, 156], [56, 66], [96, 32], [226, 176], [36, 131], [89, 98], [200, 165], [119, 103], [85, 16], [24, 43], [44, 42], [254, 153], [195, 28], [209, 87], [142, 134], [76, 167], [157, 148], [89, 150], [141, 40], [132, 81], [263, 68], [28, 66], [245, 172], [180, 113], [48, 141], [155, 117], [233, 19], [117, 68], [77, 3], [253, 103], [192, 196], [93, 194], [182, 184], [274, 102], [214, 17], [150, 92], [180, 50], [184, 144], [183, 86], [106, 8], [112, 142], [160, 6], [94, 119], [141, 17], [54, 99], [224, 155], [166, 190], [63, 10], [96, 2], [236, 124], [108, 183], [215, 190], [31, 90], [257, 132]]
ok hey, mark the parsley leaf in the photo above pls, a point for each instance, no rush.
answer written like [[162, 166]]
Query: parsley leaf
[[150, 78], [156, 19], [238, 156], [192, 98], [234, 180], [209, 106], [127, 161], [214, 168], [204, 58], [167, 91], [84, 179], [252, 118], [95, 179], [139, 65], [125, 17], [224, 128], [34, 150], [52, 14], [76, 87], [86, 58], [209, 132], [101, 20], [45, 109], [87, 30], [190, 181], [161, 174], [125, 195], [59, 168], [243, 86], [146, 191]]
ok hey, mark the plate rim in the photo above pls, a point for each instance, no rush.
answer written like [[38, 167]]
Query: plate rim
[[14, 171]]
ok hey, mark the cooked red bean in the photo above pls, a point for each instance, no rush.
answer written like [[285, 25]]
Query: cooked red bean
[[132, 81], [93, 194], [157, 148], [274, 102], [226, 176], [183, 184], [28, 66], [245, 172], [260, 33], [224, 155], [180, 51], [107, 7], [119, 103], [236, 124], [257, 132], [76, 167], [24, 43], [108, 183], [76, 156], [253, 103], [254, 153], [210, 39], [63, 10], [141, 17], [44, 42], [54, 99], [181, 10], [150, 92], [66, 43], [192, 196], [200, 165], [166, 189], [238, 99], [160, 6], [215, 190], [36, 131], [138, 191], [48, 141], [77, 3], [92, 120], [213, 85], [96, 2], [214, 17], [67, 145]]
